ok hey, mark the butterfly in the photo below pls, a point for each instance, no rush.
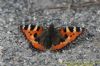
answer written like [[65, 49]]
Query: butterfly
[[50, 37]]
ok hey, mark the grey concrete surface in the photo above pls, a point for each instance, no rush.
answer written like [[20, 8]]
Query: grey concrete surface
[[14, 49]]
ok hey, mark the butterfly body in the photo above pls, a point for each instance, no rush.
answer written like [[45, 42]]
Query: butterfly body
[[50, 38]]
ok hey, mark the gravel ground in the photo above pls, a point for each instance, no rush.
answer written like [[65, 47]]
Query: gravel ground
[[14, 49]]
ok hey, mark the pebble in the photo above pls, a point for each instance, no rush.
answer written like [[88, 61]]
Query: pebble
[[98, 29], [98, 12], [60, 60]]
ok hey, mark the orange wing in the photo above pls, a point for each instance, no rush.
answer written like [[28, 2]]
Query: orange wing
[[70, 34], [32, 32]]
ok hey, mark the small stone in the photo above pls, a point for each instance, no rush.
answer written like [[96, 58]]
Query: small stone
[[34, 18], [0, 9], [98, 29], [60, 60], [98, 12], [64, 3], [11, 19], [1, 48], [8, 32], [98, 56]]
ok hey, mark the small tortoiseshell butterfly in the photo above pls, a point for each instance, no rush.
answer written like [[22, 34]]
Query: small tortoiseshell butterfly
[[50, 38]]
